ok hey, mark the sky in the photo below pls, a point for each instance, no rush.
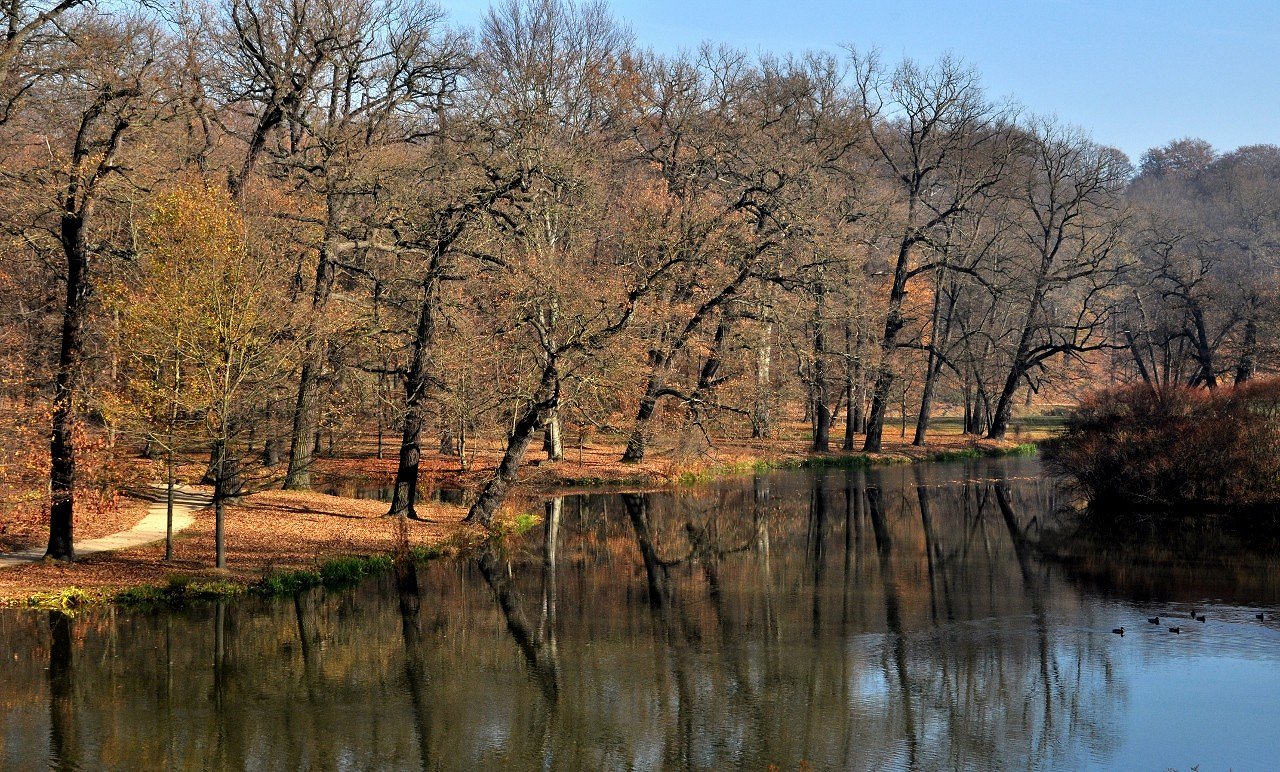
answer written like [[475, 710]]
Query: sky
[[1135, 74]]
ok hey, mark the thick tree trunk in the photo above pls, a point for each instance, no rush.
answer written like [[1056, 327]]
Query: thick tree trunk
[[306, 413], [532, 420], [1004, 405], [552, 441], [821, 423], [405, 494], [62, 455], [879, 405], [893, 325], [644, 414], [1248, 353]]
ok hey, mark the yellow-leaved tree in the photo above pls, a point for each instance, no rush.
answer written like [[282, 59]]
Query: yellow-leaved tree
[[206, 328]]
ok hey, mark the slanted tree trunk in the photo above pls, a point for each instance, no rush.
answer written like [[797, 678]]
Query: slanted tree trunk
[[893, 324], [636, 443], [661, 360], [531, 420]]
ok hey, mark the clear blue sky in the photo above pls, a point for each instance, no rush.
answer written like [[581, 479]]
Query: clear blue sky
[[1134, 73]]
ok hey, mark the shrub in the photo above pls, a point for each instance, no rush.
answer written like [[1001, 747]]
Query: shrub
[[1160, 453]]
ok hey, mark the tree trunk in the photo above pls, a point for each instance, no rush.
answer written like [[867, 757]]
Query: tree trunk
[[220, 469], [821, 389], [879, 404], [644, 414], [306, 413], [1204, 353], [62, 455], [893, 324], [405, 495], [939, 340], [1004, 406], [852, 410], [932, 369], [302, 436], [532, 420], [1248, 353], [552, 441], [761, 424]]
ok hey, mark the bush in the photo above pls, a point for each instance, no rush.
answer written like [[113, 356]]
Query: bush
[[1174, 452]]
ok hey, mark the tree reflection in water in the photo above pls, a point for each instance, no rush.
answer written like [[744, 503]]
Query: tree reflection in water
[[885, 618]]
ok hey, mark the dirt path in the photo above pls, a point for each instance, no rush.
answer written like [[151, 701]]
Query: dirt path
[[150, 529]]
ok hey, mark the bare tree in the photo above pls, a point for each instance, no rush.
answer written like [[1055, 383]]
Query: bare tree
[[1064, 274], [941, 147]]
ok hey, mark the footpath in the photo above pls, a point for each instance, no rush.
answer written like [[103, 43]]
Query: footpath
[[150, 529]]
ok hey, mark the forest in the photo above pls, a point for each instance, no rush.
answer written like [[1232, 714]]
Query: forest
[[248, 230]]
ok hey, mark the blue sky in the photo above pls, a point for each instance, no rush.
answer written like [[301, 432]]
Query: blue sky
[[1134, 73]]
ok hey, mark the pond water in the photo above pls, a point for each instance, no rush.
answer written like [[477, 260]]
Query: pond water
[[895, 618]]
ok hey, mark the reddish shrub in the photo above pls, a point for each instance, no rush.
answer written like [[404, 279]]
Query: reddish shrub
[[1160, 453]]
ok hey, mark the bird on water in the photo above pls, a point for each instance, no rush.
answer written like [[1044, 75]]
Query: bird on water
[[1259, 616], [1118, 631], [1175, 629], [1153, 620], [1200, 618]]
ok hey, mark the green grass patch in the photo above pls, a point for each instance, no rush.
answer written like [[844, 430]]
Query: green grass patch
[[66, 600], [423, 553], [286, 582], [524, 521], [1023, 449], [333, 574], [177, 590], [955, 455]]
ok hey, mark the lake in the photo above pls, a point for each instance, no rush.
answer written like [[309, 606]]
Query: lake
[[892, 618]]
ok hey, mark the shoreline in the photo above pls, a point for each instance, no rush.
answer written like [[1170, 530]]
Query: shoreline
[[284, 541]]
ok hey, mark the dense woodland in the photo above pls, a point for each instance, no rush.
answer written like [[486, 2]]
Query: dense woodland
[[247, 226]]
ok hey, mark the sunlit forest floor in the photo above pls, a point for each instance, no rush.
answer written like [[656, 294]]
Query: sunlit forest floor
[[596, 461], [267, 531]]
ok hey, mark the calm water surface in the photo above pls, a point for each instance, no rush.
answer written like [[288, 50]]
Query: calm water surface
[[890, 619]]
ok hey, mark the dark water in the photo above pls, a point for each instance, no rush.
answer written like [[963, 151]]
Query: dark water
[[896, 619]]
